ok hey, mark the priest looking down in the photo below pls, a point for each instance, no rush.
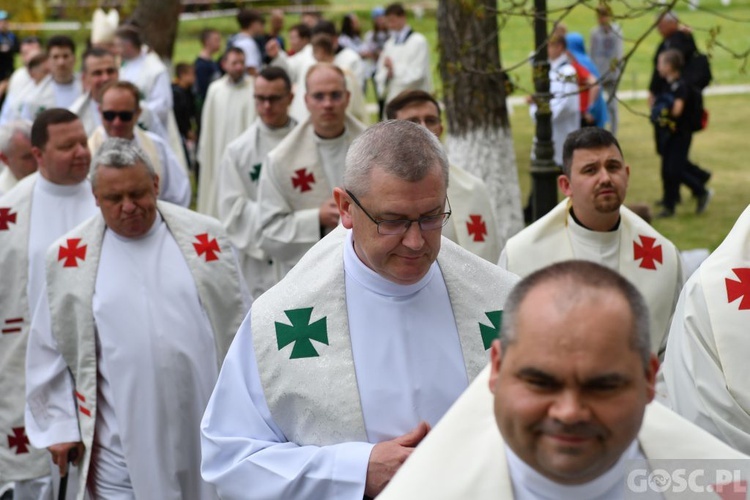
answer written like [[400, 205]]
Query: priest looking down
[[473, 224], [141, 304], [296, 203], [240, 171], [592, 224], [340, 370], [571, 382], [42, 207], [15, 154], [119, 111], [705, 370]]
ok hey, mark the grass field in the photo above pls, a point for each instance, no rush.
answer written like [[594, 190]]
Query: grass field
[[722, 147]]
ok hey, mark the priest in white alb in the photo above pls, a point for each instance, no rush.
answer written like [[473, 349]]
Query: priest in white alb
[[15, 154], [339, 371], [145, 69], [119, 112], [296, 202], [592, 224], [62, 87], [240, 171], [141, 304], [229, 109], [571, 383], [41, 208], [705, 372]]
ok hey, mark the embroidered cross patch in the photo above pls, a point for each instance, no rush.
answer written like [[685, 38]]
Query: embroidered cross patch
[[301, 332], [303, 180], [739, 289], [19, 440], [490, 333], [476, 227], [6, 218], [72, 253], [649, 253], [206, 246]]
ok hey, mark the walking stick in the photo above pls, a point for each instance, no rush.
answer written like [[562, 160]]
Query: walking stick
[[72, 457]]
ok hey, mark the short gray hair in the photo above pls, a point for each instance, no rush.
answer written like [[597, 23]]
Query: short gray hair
[[119, 153], [578, 277], [10, 129], [399, 147]]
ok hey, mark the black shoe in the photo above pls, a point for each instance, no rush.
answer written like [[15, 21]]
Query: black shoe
[[660, 203], [703, 201], [665, 212]]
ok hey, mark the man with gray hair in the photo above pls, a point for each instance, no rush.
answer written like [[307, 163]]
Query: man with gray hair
[[340, 370], [572, 379], [141, 304], [15, 153]]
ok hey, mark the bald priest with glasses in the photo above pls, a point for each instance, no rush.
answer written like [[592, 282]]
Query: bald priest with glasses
[[340, 370]]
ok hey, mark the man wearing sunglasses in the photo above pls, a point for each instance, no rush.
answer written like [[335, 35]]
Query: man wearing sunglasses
[[296, 203], [340, 370], [240, 172], [119, 111]]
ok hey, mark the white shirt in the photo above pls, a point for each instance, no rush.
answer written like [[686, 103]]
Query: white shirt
[[333, 157], [250, 47]]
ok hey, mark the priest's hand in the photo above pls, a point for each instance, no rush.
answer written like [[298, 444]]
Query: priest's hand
[[386, 458], [60, 455], [329, 214]]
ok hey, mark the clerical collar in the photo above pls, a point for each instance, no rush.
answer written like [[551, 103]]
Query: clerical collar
[[540, 487], [581, 224], [63, 189], [371, 280]]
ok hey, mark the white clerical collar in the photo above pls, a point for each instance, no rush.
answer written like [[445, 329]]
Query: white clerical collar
[[542, 488], [371, 280], [158, 223], [62, 190], [593, 238]]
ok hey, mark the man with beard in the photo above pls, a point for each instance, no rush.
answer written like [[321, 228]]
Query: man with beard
[[591, 224], [228, 111]]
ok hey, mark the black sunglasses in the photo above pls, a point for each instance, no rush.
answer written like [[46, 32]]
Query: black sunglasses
[[124, 116]]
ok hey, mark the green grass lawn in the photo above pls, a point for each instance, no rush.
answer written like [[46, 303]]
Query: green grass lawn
[[719, 148]]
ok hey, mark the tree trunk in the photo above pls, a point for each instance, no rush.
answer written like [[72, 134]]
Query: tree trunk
[[479, 136], [158, 21]]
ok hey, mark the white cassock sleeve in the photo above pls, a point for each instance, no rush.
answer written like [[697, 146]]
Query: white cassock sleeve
[[411, 71], [174, 185], [51, 414], [693, 377], [159, 100], [564, 90], [245, 455], [285, 234], [503, 260]]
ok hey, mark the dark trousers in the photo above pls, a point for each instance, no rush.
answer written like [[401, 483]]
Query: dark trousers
[[676, 169]]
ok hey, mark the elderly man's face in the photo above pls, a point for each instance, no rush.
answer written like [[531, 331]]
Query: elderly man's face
[[99, 72], [570, 392], [19, 158], [598, 182], [119, 105], [405, 258], [127, 198], [327, 99], [65, 159]]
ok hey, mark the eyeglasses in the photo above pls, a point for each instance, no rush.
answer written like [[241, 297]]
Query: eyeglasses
[[427, 121], [124, 116], [270, 99], [401, 226], [335, 96]]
